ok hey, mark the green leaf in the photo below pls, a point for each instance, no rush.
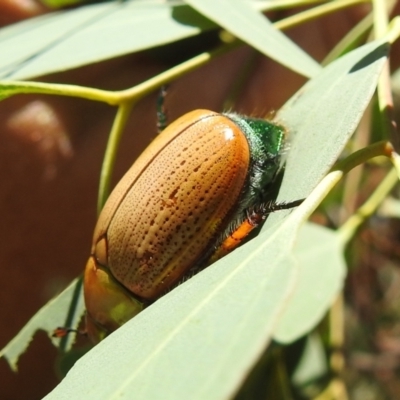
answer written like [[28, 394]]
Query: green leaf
[[88, 34], [64, 310], [62, 3], [199, 329], [200, 340], [321, 274], [313, 363], [321, 117], [72, 38], [390, 208], [243, 21]]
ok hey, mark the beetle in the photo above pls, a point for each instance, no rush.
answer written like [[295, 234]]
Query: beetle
[[190, 198]]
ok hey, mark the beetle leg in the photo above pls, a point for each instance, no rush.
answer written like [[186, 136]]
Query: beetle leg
[[61, 332], [253, 219]]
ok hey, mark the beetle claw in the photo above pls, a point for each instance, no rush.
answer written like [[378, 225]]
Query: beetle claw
[[61, 332]]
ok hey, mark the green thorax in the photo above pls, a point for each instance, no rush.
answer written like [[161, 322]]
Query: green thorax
[[266, 142]]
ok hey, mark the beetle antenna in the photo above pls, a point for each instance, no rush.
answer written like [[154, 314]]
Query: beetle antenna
[[272, 206], [263, 209]]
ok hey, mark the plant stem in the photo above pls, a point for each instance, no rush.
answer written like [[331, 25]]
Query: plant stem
[[350, 40], [315, 13], [10, 88], [334, 391], [348, 229], [114, 139], [326, 185], [336, 327], [385, 98]]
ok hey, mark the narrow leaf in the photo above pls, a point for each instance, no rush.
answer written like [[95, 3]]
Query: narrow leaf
[[221, 318], [88, 34], [65, 310], [322, 269], [321, 117], [243, 21]]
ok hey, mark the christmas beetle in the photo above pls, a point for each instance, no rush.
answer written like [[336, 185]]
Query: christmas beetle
[[189, 199]]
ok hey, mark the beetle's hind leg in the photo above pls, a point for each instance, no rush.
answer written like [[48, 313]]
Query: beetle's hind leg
[[254, 217]]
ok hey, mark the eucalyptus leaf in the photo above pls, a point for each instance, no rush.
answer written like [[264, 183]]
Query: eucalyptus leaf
[[242, 20], [322, 270], [390, 208], [203, 326], [321, 117], [71, 38], [64, 310], [313, 363], [200, 340]]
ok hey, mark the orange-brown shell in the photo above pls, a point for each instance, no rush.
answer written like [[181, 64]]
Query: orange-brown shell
[[173, 202]]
